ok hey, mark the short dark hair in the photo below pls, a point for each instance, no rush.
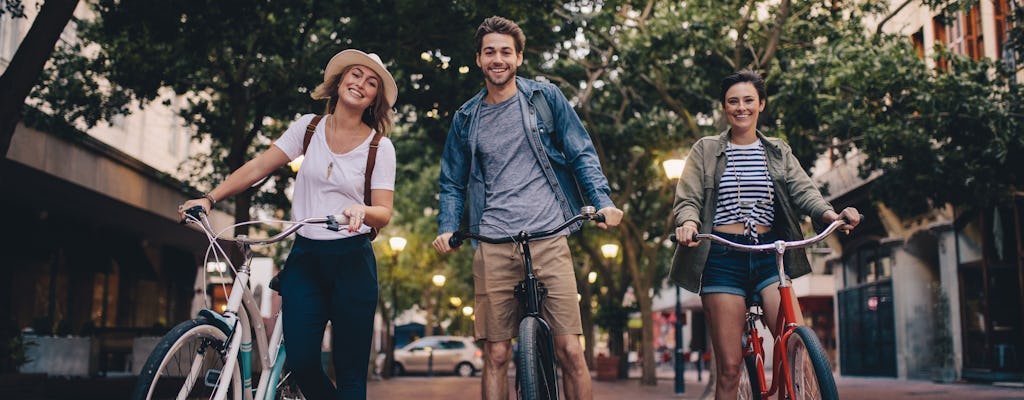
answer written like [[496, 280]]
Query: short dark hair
[[503, 26], [744, 76]]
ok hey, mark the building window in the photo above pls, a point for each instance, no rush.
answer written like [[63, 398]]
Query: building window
[[1000, 8], [974, 39], [918, 41], [868, 264], [941, 38]]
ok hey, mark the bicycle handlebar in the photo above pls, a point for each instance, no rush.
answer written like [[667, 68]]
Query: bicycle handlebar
[[333, 222], [779, 245], [587, 213]]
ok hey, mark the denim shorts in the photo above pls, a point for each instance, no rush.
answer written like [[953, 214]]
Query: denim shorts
[[743, 274]]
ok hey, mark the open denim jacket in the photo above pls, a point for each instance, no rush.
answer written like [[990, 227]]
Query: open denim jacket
[[562, 147], [697, 196]]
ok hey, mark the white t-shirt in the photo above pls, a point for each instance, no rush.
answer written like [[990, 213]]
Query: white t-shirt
[[316, 194]]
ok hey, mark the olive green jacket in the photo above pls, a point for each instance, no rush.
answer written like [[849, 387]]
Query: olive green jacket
[[697, 197]]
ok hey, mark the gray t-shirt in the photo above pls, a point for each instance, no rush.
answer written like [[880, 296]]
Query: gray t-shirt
[[517, 195]]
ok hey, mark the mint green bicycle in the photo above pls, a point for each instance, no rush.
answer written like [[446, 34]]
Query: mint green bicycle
[[218, 355]]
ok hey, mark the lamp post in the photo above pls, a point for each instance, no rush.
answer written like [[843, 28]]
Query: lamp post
[[397, 244], [438, 281], [616, 345], [674, 170]]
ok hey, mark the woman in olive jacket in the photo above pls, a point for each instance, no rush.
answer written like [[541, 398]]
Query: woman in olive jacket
[[747, 188]]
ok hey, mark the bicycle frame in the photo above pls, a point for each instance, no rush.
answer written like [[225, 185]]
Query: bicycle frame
[[785, 323]]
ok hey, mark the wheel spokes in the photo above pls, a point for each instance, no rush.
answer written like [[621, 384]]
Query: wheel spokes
[[805, 382]]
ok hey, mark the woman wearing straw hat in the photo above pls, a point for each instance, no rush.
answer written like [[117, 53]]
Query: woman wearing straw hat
[[332, 276]]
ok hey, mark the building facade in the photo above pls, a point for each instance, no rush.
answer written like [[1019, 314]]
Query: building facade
[[94, 249]]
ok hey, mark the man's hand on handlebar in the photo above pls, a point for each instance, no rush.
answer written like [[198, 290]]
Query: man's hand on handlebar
[[441, 243], [685, 232], [849, 214], [612, 217]]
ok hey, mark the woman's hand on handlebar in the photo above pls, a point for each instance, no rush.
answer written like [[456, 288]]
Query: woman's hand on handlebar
[[356, 214], [612, 217], [685, 232], [441, 243], [202, 202], [849, 214]]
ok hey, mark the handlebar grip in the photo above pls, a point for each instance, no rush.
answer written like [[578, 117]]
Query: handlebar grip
[[193, 212], [455, 241], [847, 221], [673, 238], [598, 218]]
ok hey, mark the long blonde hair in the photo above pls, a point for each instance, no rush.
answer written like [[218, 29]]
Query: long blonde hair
[[377, 115]]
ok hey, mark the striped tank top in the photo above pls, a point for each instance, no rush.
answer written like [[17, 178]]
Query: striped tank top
[[745, 194]]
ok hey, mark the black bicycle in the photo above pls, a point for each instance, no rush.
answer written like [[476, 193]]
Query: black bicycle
[[536, 377]]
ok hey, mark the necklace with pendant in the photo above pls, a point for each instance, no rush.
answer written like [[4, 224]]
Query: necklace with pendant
[[327, 136]]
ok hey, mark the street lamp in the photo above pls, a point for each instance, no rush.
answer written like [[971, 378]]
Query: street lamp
[[609, 251], [438, 281], [592, 277], [674, 170], [397, 244]]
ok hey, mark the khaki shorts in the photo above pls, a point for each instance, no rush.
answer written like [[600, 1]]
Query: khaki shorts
[[498, 268]]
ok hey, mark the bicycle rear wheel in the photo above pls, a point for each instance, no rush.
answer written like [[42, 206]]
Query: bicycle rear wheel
[[187, 363], [535, 371], [808, 367], [750, 386]]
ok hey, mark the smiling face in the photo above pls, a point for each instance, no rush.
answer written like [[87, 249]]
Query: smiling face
[[498, 59], [359, 87], [742, 106]]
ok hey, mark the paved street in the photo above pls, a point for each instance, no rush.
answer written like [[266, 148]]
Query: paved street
[[453, 387], [448, 387]]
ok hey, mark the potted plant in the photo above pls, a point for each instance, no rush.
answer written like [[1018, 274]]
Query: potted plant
[[943, 357]]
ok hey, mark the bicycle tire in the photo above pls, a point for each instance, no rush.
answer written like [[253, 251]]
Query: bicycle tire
[[808, 368], [161, 376], [535, 371], [750, 386]]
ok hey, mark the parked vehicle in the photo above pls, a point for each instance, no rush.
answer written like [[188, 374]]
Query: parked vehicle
[[451, 354]]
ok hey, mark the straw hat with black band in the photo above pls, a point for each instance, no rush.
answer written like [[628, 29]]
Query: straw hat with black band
[[355, 57]]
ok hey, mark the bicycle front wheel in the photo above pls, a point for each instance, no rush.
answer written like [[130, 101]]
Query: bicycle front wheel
[[535, 369], [187, 364], [750, 386], [808, 367]]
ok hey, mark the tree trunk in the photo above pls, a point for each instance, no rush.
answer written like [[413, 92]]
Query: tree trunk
[[616, 347], [587, 314], [389, 314], [649, 376], [27, 64]]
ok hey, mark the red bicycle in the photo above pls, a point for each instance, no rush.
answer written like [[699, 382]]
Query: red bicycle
[[800, 367]]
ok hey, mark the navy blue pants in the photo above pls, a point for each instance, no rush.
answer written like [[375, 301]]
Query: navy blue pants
[[332, 280]]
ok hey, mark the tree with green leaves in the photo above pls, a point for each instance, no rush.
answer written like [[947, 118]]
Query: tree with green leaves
[[27, 64], [937, 137]]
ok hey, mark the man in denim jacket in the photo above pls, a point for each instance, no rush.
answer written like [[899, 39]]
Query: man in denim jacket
[[521, 154]]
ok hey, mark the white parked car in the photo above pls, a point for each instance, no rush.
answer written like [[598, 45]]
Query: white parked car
[[451, 354]]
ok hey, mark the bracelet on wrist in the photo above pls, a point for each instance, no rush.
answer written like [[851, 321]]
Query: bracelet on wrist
[[211, 199]]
